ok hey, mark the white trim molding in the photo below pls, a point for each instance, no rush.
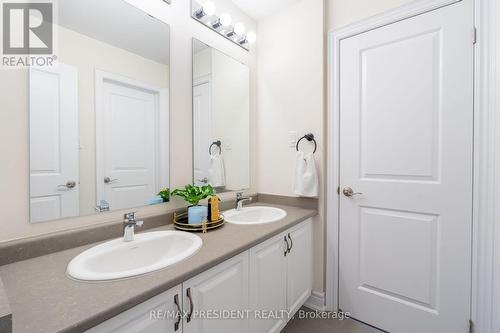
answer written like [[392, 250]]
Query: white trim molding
[[486, 238], [316, 301], [486, 246], [332, 208]]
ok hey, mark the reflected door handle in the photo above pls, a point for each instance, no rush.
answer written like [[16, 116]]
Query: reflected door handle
[[108, 180], [348, 192], [69, 184]]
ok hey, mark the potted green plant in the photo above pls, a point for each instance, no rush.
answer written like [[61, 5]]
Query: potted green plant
[[193, 195], [165, 194]]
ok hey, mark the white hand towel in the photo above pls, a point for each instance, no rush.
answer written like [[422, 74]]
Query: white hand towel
[[306, 175], [216, 171]]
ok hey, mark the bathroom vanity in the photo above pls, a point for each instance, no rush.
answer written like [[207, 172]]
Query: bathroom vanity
[[263, 267], [274, 275]]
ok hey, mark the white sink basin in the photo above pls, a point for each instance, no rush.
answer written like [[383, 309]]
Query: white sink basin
[[148, 252], [254, 215]]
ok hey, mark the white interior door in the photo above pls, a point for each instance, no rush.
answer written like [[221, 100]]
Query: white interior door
[[127, 143], [201, 128], [54, 143], [406, 139]]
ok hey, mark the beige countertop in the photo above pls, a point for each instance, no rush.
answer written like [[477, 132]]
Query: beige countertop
[[43, 299]]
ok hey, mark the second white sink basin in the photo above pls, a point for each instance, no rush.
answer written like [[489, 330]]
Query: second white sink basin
[[148, 252], [254, 215]]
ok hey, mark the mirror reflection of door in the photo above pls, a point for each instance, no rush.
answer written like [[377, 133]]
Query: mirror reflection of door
[[201, 130], [128, 140], [54, 180]]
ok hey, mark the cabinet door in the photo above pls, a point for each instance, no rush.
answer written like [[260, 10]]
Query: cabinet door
[[268, 285], [159, 314], [299, 265], [213, 296]]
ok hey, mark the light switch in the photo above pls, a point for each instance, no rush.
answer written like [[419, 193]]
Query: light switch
[[292, 139]]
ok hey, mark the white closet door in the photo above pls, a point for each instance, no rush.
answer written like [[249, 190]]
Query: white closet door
[[406, 139], [54, 143], [127, 139]]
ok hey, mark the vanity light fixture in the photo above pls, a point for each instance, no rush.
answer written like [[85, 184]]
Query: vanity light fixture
[[205, 14], [216, 24], [251, 37], [230, 33], [239, 28], [208, 8], [225, 20], [243, 40]]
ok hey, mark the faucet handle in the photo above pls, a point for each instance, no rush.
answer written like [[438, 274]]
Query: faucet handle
[[139, 223], [129, 217]]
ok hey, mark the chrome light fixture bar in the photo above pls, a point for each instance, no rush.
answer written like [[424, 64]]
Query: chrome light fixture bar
[[205, 14]]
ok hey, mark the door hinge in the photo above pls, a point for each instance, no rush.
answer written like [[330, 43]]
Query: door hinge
[[474, 35], [471, 326]]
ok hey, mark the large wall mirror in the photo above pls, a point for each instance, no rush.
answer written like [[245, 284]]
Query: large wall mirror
[[99, 119], [221, 120]]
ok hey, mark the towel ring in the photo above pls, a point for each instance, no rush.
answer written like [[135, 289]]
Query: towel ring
[[215, 143], [309, 137]]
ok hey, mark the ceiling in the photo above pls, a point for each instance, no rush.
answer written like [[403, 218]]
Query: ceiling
[[120, 24], [259, 9]]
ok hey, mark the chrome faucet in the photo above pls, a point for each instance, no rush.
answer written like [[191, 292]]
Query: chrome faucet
[[129, 224], [240, 199]]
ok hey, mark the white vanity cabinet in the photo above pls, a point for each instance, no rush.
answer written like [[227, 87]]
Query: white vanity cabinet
[[280, 277], [272, 278], [160, 314], [268, 274], [299, 266], [222, 291]]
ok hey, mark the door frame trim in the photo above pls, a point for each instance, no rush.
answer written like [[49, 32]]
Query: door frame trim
[[162, 149], [486, 151]]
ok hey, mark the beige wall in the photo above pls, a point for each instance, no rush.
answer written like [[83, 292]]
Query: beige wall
[[290, 98], [343, 12], [14, 133]]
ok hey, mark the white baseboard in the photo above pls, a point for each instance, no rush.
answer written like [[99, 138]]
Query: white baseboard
[[316, 301]]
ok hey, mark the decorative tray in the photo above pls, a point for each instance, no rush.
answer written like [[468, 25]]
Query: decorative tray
[[181, 223]]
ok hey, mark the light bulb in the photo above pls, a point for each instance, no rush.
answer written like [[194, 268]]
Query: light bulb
[[225, 20], [209, 8], [251, 37], [239, 28]]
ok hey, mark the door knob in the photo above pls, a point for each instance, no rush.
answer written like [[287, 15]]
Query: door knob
[[108, 180], [203, 180], [69, 184], [348, 192]]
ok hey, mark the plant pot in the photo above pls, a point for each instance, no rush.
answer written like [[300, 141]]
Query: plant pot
[[197, 214]]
